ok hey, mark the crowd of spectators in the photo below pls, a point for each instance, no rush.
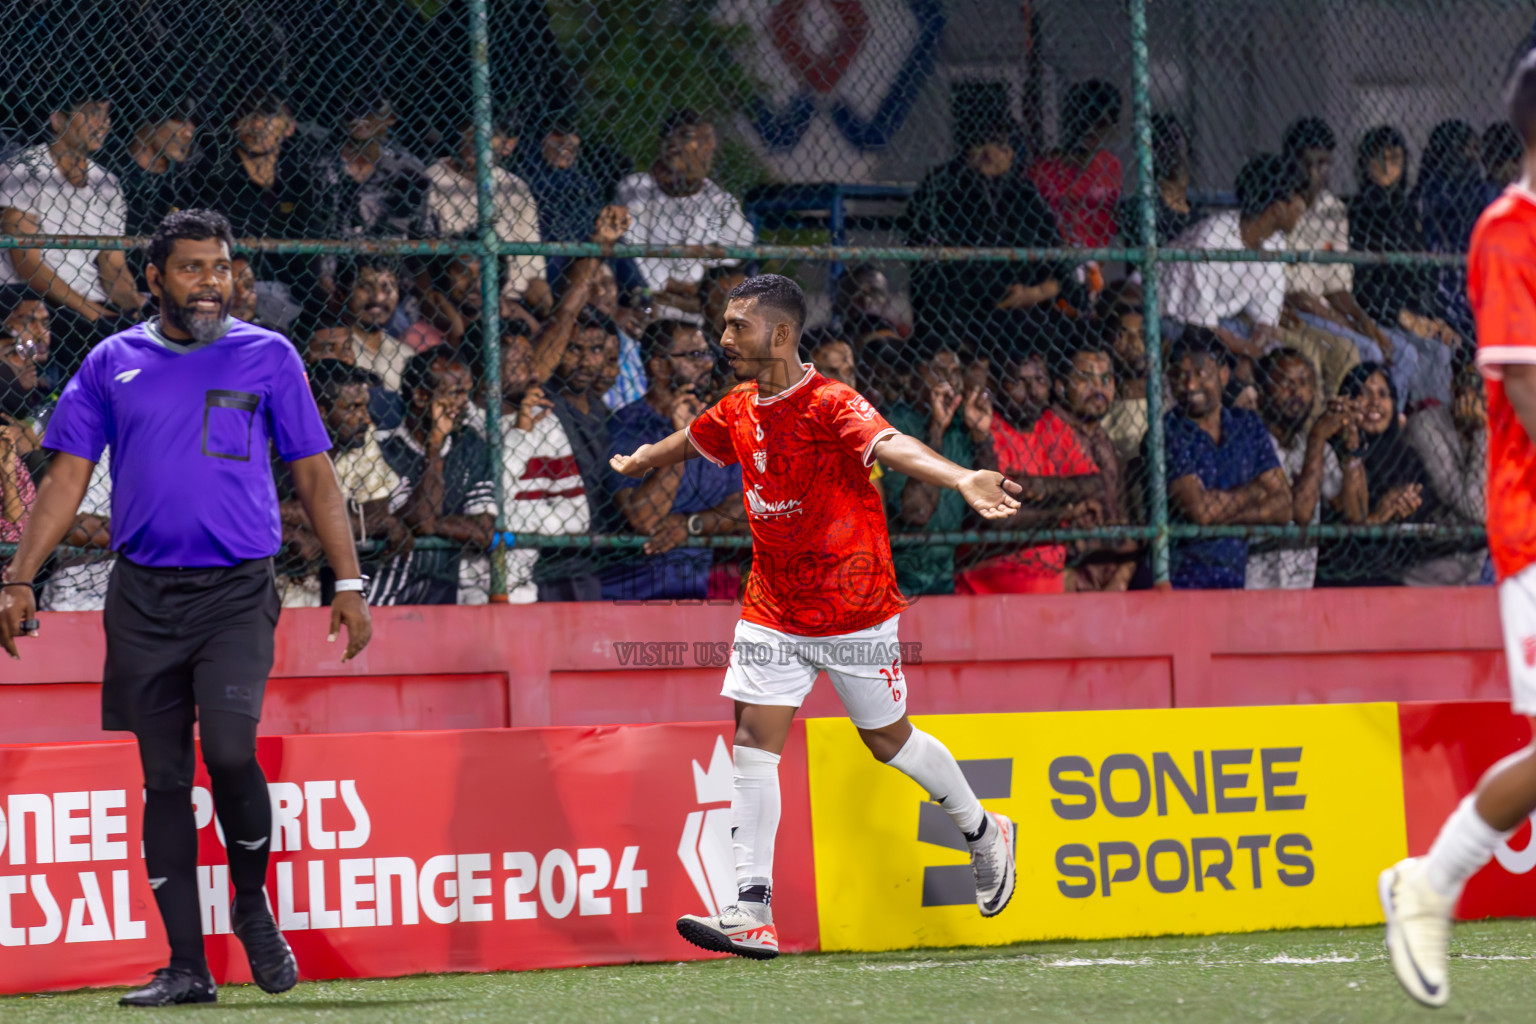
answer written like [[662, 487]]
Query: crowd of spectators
[[1294, 393]]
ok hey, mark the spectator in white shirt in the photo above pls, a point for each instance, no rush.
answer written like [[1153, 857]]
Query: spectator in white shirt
[[1322, 294], [454, 209], [676, 203], [1321, 464], [57, 188], [1242, 303]]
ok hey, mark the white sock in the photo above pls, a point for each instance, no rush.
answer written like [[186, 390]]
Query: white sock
[[930, 764], [754, 814], [1466, 842]]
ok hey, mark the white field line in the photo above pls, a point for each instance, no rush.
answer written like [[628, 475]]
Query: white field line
[[1185, 959]]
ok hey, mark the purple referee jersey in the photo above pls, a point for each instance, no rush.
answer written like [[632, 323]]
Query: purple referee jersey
[[189, 428]]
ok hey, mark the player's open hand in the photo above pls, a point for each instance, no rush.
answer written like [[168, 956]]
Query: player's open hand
[[349, 609], [18, 617], [990, 493], [632, 465]]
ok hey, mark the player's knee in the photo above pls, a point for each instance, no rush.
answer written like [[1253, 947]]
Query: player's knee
[[227, 758], [229, 743], [885, 743], [167, 770]]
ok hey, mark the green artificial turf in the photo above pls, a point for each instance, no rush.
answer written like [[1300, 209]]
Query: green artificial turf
[[1325, 975]]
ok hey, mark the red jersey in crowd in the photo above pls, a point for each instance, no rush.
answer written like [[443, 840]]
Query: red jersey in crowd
[[821, 557], [1501, 284], [1084, 198], [1050, 449]]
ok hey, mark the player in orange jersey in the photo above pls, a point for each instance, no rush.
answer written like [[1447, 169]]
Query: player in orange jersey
[[822, 589], [1419, 894]]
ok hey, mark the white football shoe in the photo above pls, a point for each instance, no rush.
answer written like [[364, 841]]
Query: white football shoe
[[1418, 930], [992, 862], [745, 929]]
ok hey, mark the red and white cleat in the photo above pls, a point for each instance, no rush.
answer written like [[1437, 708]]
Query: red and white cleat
[[745, 929]]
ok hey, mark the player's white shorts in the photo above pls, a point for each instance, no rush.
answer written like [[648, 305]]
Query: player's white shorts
[[1517, 611], [770, 667]]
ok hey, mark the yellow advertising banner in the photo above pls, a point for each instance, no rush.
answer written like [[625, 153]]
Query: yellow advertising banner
[[1146, 822]]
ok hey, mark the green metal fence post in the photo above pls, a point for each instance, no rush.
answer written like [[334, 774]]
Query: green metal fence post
[[1146, 188], [490, 280]]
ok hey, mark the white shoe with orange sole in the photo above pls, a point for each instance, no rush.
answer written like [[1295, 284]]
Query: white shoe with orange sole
[[745, 929]]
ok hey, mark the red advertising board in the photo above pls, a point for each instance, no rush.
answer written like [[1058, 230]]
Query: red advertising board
[[402, 853], [1446, 748]]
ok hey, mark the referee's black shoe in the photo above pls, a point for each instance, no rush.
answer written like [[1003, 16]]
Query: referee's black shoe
[[272, 962], [173, 986]]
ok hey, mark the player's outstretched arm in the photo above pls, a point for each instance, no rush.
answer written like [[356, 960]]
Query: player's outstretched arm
[[985, 490], [666, 452], [314, 479], [53, 516]]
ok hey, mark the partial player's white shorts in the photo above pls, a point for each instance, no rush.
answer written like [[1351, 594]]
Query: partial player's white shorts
[[770, 667], [1517, 611]]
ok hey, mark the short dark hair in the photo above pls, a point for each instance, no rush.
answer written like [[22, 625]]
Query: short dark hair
[[305, 328], [328, 376], [1501, 144], [505, 118], [1520, 98], [261, 103], [79, 91], [591, 318], [417, 374], [437, 266], [658, 336], [1268, 179], [1087, 105], [685, 117], [193, 225], [367, 101], [717, 271], [1170, 147], [11, 298], [350, 266], [1080, 340], [776, 292], [821, 337], [1308, 133], [1198, 343], [1269, 363]]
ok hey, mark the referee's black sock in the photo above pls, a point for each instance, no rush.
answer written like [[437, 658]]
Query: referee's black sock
[[170, 857], [240, 799], [245, 813]]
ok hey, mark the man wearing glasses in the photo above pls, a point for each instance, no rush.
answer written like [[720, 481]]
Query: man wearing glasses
[[672, 505]]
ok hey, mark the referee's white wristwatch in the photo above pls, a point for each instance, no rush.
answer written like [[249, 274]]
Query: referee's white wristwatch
[[359, 584]]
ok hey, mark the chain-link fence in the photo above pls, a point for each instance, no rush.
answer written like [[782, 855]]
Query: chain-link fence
[[1191, 272]]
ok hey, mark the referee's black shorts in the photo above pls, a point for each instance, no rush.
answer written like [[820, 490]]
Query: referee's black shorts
[[184, 638]]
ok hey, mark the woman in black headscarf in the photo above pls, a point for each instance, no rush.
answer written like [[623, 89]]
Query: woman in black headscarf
[[1451, 195], [1383, 218], [1397, 485]]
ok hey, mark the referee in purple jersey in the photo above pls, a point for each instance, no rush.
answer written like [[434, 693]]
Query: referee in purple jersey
[[189, 402]]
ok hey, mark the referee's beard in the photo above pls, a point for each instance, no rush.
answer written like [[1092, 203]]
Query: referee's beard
[[204, 327]]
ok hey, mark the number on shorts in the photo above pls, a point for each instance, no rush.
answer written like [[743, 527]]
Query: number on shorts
[[892, 677]]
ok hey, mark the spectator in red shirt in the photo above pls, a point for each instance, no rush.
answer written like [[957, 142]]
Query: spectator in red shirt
[[1036, 448], [1081, 180]]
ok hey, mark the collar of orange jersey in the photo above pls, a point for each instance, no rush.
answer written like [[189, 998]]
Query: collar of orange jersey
[[810, 371]]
